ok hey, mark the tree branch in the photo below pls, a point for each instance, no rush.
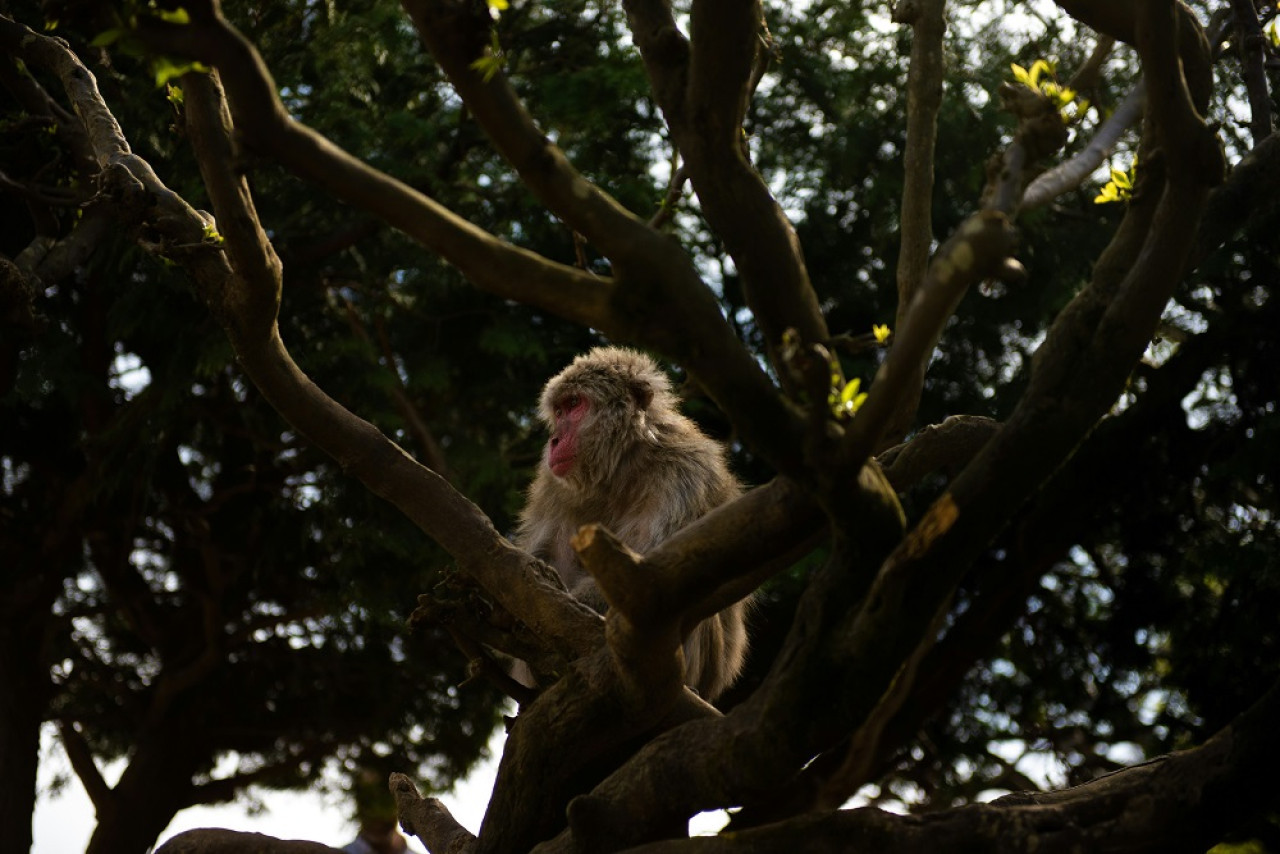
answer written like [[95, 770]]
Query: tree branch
[[796, 713], [949, 445], [981, 248], [265, 126], [702, 89], [247, 301], [662, 285], [81, 756], [1194, 152], [1071, 173], [1250, 45], [1077, 373], [731, 551], [457, 34], [643, 623], [246, 304], [1118, 19], [724, 36], [429, 819], [216, 841], [1182, 802], [924, 99]]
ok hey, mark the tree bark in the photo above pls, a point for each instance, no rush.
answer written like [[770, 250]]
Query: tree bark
[[154, 787], [23, 697]]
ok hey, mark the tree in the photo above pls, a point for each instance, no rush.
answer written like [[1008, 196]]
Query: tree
[[919, 550], [185, 584]]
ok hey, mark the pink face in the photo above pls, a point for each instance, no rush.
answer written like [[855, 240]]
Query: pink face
[[562, 450]]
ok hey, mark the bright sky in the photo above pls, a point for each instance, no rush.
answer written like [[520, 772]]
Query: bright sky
[[64, 823]]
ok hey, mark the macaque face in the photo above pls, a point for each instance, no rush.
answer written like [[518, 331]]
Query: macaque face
[[562, 450]]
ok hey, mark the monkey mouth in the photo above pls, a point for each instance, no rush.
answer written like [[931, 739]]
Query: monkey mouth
[[561, 466]]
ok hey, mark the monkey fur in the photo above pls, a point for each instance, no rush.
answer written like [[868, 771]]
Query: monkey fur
[[623, 456]]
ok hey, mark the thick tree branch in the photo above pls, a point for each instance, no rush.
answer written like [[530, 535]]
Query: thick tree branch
[[730, 552], [1195, 154], [642, 626], [725, 39], [796, 713], [949, 445], [709, 565], [1182, 802], [591, 708], [215, 841]]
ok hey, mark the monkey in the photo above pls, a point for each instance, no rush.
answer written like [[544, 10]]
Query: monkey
[[622, 455]]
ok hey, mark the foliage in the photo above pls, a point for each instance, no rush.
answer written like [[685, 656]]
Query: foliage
[[1120, 187], [186, 556]]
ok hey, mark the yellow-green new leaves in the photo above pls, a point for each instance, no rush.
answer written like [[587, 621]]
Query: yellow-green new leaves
[[848, 399], [845, 398], [490, 65], [1120, 187], [212, 236], [1042, 78], [817, 370]]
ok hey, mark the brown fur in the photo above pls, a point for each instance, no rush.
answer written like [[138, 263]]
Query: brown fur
[[644, 471]]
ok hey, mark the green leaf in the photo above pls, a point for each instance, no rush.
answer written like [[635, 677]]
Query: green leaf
[[106, 38], [173, 16]]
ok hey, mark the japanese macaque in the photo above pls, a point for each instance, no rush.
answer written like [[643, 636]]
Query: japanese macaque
[[622, 455]]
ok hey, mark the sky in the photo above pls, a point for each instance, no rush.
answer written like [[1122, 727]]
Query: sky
[[63, 823]]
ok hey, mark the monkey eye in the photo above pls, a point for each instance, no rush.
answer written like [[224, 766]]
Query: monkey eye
[[567, 404]]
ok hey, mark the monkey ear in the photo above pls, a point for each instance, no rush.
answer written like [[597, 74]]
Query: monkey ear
[[641, 393]]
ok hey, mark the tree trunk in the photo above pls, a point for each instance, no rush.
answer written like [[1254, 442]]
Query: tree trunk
[[155, 786], [24, 692]]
